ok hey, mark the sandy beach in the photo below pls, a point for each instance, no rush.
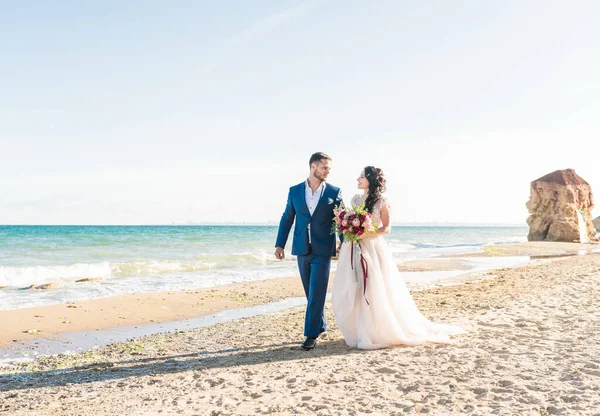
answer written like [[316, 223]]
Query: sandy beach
[[532, 348], [139, 309]]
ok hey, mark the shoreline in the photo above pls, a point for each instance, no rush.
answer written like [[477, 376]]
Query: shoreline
[[139, 309], [131, 310]]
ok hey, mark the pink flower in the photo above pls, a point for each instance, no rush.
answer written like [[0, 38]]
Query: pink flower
[[344, 223]]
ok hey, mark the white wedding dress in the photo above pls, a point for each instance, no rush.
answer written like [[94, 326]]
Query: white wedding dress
[[390, 317]]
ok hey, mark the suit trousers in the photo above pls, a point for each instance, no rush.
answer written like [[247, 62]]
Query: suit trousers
[[314, 272]]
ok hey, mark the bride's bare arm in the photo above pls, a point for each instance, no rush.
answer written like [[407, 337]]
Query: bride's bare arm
[[386, 226]]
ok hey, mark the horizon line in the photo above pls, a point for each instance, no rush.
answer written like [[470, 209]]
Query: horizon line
[[272, 224]]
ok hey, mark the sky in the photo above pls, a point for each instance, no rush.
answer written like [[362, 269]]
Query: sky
[[153, 112]]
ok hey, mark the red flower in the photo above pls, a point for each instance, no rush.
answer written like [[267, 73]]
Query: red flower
[[362, 217], [355, 230], [351, 217], [342, 214], [360, 232]]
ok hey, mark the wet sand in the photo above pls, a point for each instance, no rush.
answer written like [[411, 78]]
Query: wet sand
[[139, 309]]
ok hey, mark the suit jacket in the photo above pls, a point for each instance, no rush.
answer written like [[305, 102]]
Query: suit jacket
[[323, 241]]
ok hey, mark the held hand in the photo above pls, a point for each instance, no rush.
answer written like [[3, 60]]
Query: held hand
[[279, 253]]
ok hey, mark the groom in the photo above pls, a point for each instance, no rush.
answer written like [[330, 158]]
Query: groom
[[311, 204]]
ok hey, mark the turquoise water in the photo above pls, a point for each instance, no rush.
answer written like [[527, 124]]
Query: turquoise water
[[135, 259]]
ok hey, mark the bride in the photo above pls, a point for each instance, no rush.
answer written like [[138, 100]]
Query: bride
[[384, 314]]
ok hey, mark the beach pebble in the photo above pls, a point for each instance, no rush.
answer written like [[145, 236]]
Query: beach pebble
[[386, 370]]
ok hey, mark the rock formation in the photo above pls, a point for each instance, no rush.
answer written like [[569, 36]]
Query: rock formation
[[554, 203], [596, 223], [44, 286]]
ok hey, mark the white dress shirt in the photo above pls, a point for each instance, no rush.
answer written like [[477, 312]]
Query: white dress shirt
[[312, 200]]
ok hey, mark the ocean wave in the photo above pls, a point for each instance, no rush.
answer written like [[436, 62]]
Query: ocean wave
[[34, 275], [517, 239], [514, 240], [401, 248], [428, 246]]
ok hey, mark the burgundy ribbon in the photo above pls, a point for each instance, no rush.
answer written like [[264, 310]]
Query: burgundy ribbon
[[365, 268]]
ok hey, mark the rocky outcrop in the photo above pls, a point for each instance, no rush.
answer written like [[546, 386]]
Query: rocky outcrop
[[554, 203], [45, 286], [88, 279], [596, 222]]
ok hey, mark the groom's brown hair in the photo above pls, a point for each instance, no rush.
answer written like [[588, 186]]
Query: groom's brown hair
[[317, 157]]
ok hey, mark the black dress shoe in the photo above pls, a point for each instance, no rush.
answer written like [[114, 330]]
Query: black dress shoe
[[309, 343]]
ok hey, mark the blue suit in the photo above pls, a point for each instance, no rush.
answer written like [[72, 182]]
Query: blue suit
[[314, 258]]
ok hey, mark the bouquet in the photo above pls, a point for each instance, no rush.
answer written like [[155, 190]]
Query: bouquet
[[352, 222]]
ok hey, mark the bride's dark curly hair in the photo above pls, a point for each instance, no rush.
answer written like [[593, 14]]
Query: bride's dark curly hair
[[376, 186]]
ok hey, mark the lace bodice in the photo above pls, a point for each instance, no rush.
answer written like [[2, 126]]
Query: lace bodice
[[376, 214]]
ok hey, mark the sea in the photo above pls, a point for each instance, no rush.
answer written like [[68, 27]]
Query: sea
[[141, 259]]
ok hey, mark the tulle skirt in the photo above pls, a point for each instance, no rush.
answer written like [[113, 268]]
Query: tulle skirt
[[384, 314]]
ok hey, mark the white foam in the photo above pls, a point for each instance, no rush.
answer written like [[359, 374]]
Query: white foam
[[475, 264], [69, 291], [35, 275], [401, 248], [25, 276]]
